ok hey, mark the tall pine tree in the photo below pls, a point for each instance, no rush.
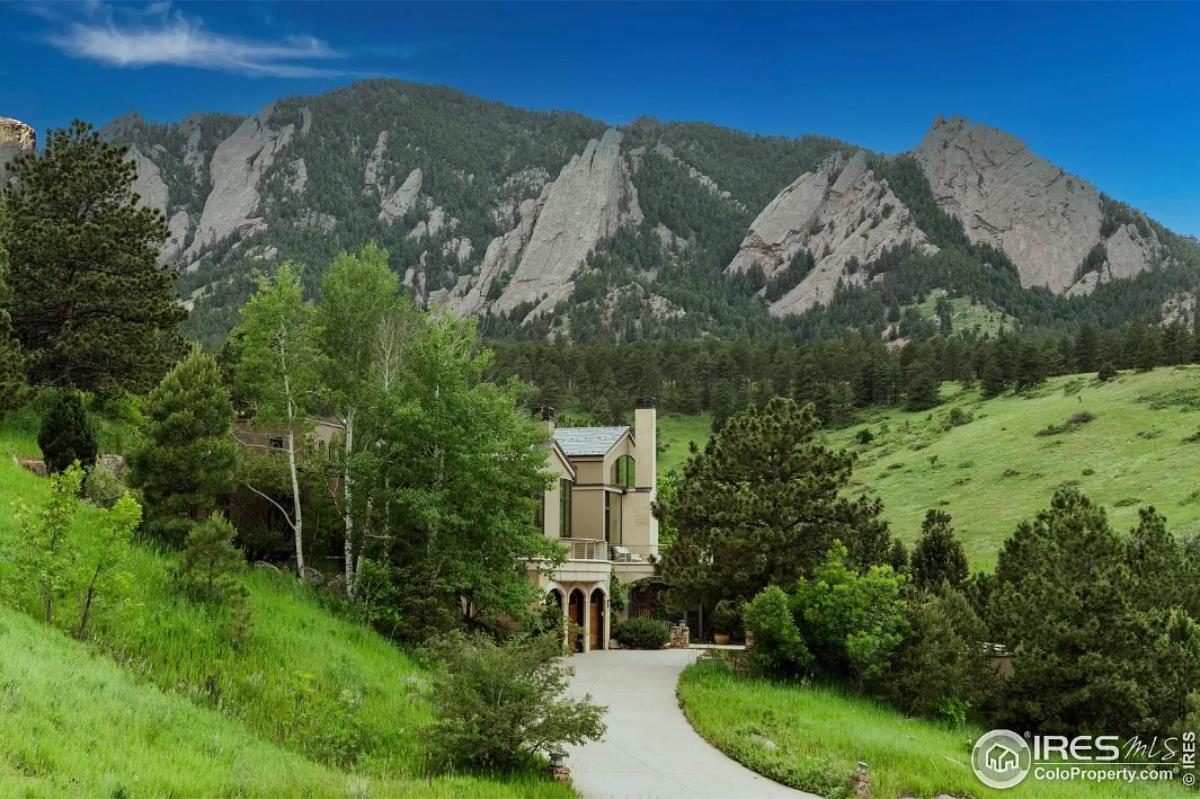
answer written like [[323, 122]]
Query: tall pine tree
[[91, 308], [189, 458]]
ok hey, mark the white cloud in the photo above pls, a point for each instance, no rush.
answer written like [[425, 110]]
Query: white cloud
[[159, 37]]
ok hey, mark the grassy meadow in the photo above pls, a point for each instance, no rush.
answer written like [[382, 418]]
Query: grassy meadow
[[995, 469], [676, 432], [160, 702], [821, 731]]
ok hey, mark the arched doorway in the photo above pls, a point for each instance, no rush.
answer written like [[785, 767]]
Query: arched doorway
[[575, 613], [553, 605], [596, 612]]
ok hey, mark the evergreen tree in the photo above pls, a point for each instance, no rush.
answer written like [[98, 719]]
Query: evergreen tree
[[760, 505], [1087, 349], [68, 433], [12, 382], [90, 306], [921, 390], [209, 561], [938, 556], [991, 379], [188, 458]]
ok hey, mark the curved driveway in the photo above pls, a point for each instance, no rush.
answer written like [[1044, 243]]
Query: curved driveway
[[651, 751]]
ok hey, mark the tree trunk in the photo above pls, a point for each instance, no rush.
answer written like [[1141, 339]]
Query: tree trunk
[[348, 497], [297, 518]]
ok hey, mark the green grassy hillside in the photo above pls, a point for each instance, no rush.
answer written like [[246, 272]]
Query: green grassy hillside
[[820, 730], [306, 702], [995, 470]]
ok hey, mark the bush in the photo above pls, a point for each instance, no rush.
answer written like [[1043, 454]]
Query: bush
[[68, 434], [642, 634], [499, 704], [101, 487], [778, 648], [725, 617], [1107, 373]]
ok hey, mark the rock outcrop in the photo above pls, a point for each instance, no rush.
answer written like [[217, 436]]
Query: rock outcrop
[[400, 202], [588, 201], [16, 138], [843, 215], [236, 172], [472, 292], [149, 184], [1044, 219]]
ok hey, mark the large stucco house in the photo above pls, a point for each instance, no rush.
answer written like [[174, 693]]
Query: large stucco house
[[600, 507]]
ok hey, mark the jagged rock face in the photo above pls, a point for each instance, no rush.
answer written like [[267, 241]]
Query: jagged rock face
[[236, 172], [470, 295], [591, 198], [1045, 220], [402, 200], [149, 185], [843, 215], [16, 138]]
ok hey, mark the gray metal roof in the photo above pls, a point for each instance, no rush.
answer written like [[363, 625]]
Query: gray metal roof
[[579, 441]]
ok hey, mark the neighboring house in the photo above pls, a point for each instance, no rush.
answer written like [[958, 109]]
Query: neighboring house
[[600, 507]]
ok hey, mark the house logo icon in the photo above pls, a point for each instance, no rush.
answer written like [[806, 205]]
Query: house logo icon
[[1001, 759]]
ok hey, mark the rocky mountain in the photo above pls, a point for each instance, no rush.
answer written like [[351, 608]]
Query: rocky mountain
[[553, 223], [16, 138]]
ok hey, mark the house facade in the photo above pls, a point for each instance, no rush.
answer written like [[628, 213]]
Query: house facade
[[599, 506]]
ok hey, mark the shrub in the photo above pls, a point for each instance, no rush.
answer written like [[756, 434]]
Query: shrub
[[778, 648], [101, 487], [865, 436], [68, 433], [958, 417], [499, 704], [725, 617], [642, 634], [1107, 373]]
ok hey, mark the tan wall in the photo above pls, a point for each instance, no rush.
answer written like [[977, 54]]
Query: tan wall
[[559, 470], [587, 519]]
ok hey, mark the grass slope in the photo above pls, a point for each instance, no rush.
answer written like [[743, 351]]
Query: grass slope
[[330, 695], [676, 432], [821, 731], [995, 471]]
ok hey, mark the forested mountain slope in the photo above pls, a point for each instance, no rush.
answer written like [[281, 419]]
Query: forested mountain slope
[[553, 223]]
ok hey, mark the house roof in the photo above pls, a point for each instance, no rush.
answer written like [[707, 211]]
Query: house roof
[[580, 441]]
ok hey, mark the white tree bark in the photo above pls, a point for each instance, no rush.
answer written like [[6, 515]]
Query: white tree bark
[[297, 512], [348, 497]]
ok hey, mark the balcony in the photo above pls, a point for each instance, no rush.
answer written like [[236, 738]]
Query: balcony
[[585, 548]]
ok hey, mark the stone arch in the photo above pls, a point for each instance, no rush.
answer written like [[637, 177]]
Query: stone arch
[[598, 618], [576, 610]]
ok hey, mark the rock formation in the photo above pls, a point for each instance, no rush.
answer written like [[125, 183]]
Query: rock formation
[[149, 184], [399, 202], [1045, 220], [16, 138], [591, 197], [236, 171], [843, 214]]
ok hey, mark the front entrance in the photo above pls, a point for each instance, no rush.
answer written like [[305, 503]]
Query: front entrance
[[575, 617], [596, 620]]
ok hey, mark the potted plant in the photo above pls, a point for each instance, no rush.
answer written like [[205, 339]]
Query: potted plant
[[725, 621]]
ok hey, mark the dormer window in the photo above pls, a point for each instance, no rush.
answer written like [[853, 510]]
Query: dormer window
[[624, 472]]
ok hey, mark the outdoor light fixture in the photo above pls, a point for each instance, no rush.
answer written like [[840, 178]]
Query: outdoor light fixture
[[862, 768], [557, 758]]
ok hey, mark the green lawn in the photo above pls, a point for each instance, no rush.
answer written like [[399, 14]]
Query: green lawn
[[994, 471], [675, 433], [311, 704], [821, 733]]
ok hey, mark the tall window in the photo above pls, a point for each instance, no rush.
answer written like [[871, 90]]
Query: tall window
[[625, 472], [539, 512], [564, 508]]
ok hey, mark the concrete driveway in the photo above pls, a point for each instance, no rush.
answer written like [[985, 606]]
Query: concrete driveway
[[651, 751]]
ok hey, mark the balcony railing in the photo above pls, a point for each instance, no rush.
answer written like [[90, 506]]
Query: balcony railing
[[585, 548]]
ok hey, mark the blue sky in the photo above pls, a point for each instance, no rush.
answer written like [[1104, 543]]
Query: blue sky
[[1110, 92]]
